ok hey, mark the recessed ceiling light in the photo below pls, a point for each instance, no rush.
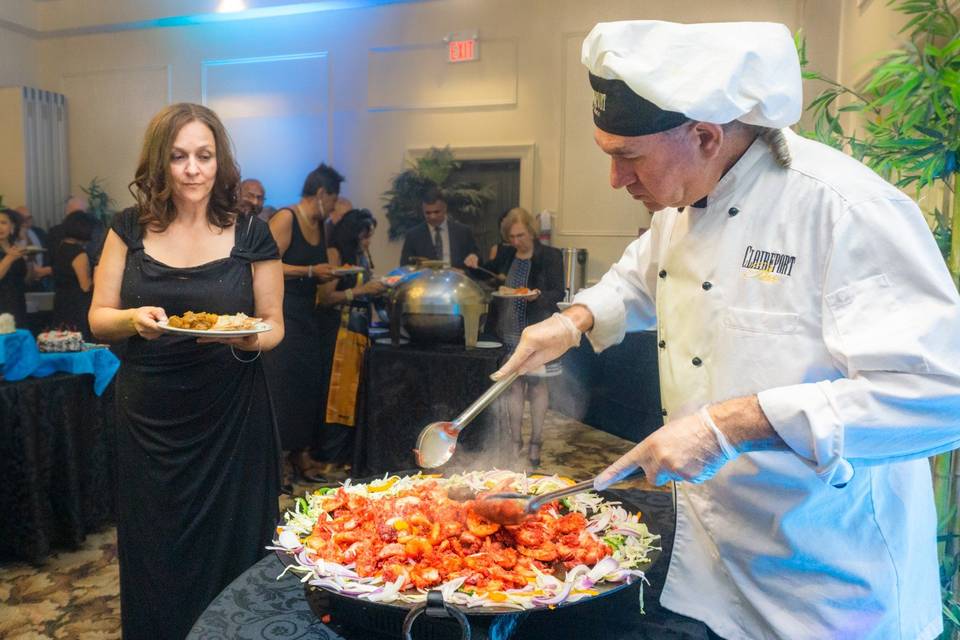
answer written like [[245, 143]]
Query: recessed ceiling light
[[231, 6]]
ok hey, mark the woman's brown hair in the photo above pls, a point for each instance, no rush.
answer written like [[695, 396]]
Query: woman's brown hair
[[152, 185]]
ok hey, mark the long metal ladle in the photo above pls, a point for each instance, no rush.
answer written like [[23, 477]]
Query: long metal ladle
[[438, 440]]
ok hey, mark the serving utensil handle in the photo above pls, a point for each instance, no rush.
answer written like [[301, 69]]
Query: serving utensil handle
[[482, 402], [587, 485]]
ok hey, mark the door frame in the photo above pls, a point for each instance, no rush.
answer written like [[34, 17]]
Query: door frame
[[524, 152]]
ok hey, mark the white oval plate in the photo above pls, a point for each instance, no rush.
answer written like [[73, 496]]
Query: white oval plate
[[497, 294], [488, 344], [346, 271], [388, 340], [260, 327]]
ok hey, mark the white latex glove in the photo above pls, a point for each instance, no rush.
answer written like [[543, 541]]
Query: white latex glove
[[691, 449], [541, 343]]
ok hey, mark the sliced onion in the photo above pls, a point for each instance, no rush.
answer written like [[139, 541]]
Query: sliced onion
[[603, 568], [599, 524], [387, 593], [564, 593], [289, 540]]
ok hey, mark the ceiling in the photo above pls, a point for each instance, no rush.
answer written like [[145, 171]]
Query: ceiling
[[59, 18]]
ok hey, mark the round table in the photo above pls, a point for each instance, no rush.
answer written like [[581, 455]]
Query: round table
[[258, 606]]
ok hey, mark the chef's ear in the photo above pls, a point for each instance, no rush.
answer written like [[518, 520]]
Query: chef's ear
[[709, 138]]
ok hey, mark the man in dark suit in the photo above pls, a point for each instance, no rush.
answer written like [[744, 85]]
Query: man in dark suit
[[439, 237]]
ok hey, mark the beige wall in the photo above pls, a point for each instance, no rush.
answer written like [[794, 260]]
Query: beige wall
[[13, 179], [390, 92]]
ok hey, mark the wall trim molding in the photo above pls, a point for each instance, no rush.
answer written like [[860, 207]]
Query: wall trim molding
[[147, 67]]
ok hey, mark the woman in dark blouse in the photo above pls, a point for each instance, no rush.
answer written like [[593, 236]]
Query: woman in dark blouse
[[13, 268], [72, 277], [526, 263]]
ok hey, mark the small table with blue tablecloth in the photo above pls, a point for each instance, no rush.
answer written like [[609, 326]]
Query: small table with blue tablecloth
[[58, 446]]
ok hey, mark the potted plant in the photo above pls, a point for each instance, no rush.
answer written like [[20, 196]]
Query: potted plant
[[99, 202], [909, 108], [436, 167]]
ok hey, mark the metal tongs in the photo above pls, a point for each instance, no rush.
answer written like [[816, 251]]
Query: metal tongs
[[513, 508], [438, 440]]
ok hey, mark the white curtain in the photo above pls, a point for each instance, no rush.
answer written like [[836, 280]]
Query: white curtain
[[47, 169]]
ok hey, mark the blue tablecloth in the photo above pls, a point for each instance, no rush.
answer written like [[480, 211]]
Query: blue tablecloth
[[20, 358]]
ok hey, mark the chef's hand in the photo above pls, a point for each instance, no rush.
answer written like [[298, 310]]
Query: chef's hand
[[471, 261], [691, 449], [145, 321], [541, 343]]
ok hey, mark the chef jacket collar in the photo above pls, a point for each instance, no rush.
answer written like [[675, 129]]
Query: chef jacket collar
[[728, 183]]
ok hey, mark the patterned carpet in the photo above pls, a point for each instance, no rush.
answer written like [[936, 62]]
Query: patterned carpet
[[74, 594]]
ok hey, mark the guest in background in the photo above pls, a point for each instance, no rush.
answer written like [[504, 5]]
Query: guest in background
[[349, 298], [55, 234], [300, 367], [494, 248], [526, 263], [39, 263], [252, 197], [439, 237], [267, 213], [13, 268], [196, 435], [340, 209], [73, 275]]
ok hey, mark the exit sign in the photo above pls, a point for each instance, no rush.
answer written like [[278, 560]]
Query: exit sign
[[462, 50]]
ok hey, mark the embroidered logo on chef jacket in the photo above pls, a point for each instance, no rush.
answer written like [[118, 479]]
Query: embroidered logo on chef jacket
[[766, 266], [599, 102]]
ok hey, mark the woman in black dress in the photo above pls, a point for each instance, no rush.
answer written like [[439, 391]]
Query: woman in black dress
[[526, 263], [72, 279], [13, 268], [196, 439], [299, 368], [349, 245]]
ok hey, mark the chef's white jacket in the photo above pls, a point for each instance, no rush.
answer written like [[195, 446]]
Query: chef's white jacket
[[820, 289]]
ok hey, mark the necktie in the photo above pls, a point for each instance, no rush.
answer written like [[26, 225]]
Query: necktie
[[437, 243]]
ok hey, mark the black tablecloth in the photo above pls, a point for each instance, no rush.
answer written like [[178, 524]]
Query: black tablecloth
[[257, 605], [406, 387], [57, 463]]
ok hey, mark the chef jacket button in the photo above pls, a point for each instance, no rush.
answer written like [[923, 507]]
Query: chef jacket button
[[663, 412], [696, 361], [707, 286], [732, 211], [663, 273], [662, 344]]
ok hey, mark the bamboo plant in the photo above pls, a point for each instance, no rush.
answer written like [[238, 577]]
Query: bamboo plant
[[909, 132]]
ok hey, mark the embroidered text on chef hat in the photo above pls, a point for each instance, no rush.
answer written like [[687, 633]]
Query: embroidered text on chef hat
[[649, 76]]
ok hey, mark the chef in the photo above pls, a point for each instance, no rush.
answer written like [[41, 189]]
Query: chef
[[809, 341]]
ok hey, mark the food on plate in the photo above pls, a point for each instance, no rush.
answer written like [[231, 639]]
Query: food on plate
[[394, 538], [202, 321], [391, 281], [511, 291], [60, 341]]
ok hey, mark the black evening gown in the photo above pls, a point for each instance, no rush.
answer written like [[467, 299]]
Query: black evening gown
[[70, 303], [13, 287], [299, 368], [197, 444]]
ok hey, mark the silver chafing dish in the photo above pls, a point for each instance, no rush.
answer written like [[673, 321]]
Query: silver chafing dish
[[438, 304]]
